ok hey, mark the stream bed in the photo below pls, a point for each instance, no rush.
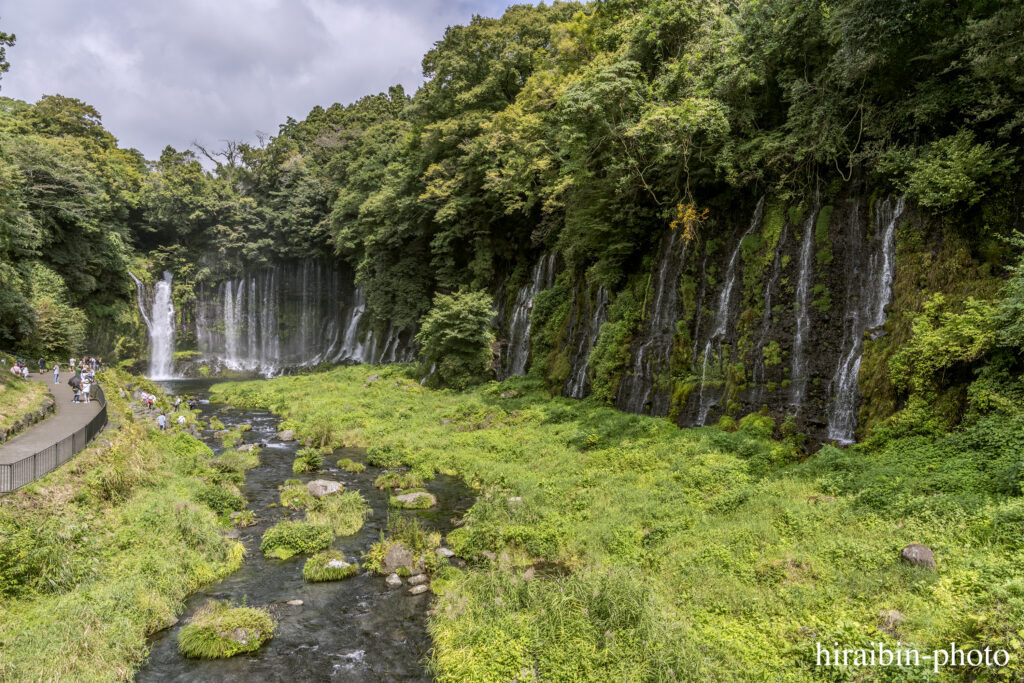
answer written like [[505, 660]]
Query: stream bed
[[352, 630]]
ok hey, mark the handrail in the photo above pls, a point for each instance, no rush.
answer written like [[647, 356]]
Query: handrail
[[16, 474]]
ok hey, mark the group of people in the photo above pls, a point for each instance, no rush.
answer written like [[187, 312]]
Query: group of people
[[19, 369], [82, 381]]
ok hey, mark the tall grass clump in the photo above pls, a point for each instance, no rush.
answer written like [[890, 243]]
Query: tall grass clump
[[217, 631]]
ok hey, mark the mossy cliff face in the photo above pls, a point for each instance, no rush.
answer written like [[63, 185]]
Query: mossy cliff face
[[792, 308]]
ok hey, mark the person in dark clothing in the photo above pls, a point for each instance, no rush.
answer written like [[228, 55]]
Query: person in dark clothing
[[76, 383], [42, 365]]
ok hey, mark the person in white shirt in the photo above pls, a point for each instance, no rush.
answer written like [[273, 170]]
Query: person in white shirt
[[86, 386], [161, 420]]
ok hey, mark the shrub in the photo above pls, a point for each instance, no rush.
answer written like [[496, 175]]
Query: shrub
[[319, 567], [398, 480], [421, 502], [217, 631], [244, 518], [221, 499], [456, 338], [386, 455], [307, 460], [285, 539]]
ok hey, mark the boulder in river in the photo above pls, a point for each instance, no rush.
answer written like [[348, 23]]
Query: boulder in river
[[417, 579], [416, 590], [318, 488], [445, 552], [415, 500], [246, 447], [918, 555], [393, 581], [286, 435], [397, 557]]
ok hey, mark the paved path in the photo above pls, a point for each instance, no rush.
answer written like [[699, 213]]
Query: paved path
[[67, 419]]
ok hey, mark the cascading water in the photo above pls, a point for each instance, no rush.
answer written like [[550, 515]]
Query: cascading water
[[798, 373], [160, 323], [640, 389], [518, 351], [759, 372], [868, 293], [291, 315], [706, 400], [586, 329]]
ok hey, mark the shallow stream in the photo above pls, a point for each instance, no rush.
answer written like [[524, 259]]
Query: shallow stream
[[352, 630]]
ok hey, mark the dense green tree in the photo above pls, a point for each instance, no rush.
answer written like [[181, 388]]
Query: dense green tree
[[456, 338]]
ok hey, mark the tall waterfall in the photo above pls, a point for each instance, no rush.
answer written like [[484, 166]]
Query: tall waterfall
[[160, 323], [707, 399], [868, 293], [640, 388], [518, 351], [292, 315], [798, 373], [584, 330]]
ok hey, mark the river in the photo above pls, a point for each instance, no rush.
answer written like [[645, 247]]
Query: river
[[351, 630]]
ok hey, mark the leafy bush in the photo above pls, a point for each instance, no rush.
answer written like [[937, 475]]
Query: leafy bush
[[221, 499], [285, 539], [318, 568], [955, 170], [296, 496], [307, 460], [398, 480], [456, 337], [410, 533], [218, 630], [385, 455]]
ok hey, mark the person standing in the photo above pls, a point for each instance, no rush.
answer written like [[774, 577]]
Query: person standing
[[86, 386], [42, 365], [56, 373], [161, 420], [181, 421]]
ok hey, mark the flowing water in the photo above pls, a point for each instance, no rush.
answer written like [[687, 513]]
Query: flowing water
[[868, 293], [518, 351], [585, 327], [707, 399], [159, 321], [292, 315], [640, 389], [351, 630], [798, 374]]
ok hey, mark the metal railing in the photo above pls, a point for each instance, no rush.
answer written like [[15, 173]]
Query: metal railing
[[16, 474]]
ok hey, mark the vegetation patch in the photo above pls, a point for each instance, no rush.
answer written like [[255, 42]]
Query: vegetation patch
[[350, 465], [329, 566], [295, 495], [307, 460], [342, 513], [217, 631], [286, 539]]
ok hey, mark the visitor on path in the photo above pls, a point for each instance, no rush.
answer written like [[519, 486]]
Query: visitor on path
[[181, 420], [42, 365], [86, 386], [161, 420], [177, 402], [24, 371], [56, 373]]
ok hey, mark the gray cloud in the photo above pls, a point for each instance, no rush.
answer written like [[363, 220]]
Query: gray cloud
[[180, 70]]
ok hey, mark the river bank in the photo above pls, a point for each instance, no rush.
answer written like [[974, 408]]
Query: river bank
[[610, 546]]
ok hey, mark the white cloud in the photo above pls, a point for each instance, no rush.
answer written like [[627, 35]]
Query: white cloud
[[178, 70]]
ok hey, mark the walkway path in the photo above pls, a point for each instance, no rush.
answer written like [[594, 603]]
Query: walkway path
[[67, 419]]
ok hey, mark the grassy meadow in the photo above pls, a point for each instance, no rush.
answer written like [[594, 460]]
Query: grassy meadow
[[610, 546]]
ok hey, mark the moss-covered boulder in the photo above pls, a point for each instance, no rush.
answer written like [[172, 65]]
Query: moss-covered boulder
[[343, 514], [329, 566], [218, 630]]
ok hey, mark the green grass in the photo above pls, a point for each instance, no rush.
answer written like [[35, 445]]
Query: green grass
[[285, 539], [342, 513], [350, 465], [317, 568], [218, 630], [408, 532], [102, 552], [694, 554], [18, 397], [296, 495]]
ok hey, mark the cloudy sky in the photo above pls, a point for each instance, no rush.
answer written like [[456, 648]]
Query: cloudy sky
[[174, 71]]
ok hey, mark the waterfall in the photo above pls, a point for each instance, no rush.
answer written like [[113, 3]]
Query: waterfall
[[706, 402], [640, 388], [868, 293], [518, 354], [577, 385], [759, 373], [160, 323], [291, 315], [798, 373]]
